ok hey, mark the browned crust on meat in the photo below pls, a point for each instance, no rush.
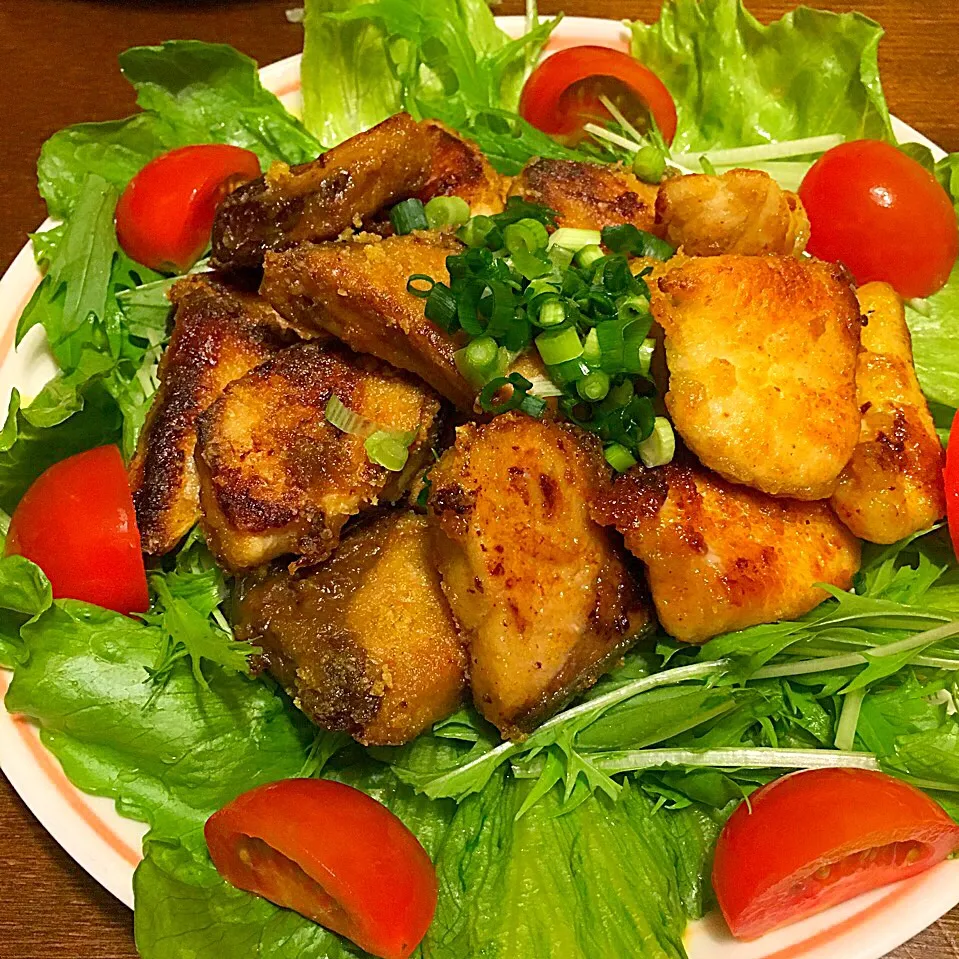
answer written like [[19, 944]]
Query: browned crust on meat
[[220, 332], [545, 597], [357, 290], [588, 195], [720, 556], [276, 478], [321, 199], [459, 168]]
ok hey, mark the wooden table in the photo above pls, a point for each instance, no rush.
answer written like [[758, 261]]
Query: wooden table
[[59, 59]]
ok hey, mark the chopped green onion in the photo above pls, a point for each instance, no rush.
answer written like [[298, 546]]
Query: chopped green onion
[[631, 241], [441, 306], [553, 313], [530, 265], [707, 166], [560, 257], [659, 447], [619, 457], [573, 240], [479, 360], [591, 350], [526, 234], [346, 420], [593, 387], [609, 338], [409, 215], [632, 307], [414, 287], [446, 211], [638, 355], [533, 406], [389, 449], [587, 256], [559, 346], [520, 385], [543, 386], [649, 164], [475, 231], [568, 372]]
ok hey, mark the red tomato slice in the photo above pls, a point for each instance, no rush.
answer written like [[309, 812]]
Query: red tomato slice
[[814, 839], [562, 93], [951, 482], [165, 215], [881, 214], [77, 523], [333, 854]]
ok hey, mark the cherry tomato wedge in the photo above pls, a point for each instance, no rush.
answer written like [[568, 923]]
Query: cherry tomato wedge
[[951, 483], [562, 93], [883, 215], [77, 523], [814, 839], [165, 215], [333, 854]]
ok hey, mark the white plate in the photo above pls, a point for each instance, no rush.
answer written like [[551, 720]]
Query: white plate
[[108, 846]]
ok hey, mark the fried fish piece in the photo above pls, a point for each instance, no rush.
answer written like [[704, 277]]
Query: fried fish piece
[[220, 332], [720, 557], [742, 211], [366, 642], [588, 195], [276, 478], [892, 487], [542, 593], [357, 290], [321, 199], [762, 354], [459, 168]]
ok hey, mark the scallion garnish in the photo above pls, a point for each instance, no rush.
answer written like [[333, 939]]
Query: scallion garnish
[[659, 447], [649, 164], [385, 447], [619, 457], [588, 314], [409, 215], [446, 211]]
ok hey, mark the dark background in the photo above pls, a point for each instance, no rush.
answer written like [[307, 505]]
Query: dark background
[[59, 67]]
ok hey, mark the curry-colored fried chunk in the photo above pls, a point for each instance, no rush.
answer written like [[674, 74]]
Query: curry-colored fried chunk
[[459, 168], [742, 211], [721, 557], [588, 195], [321, 199], [357, 290], [220, 332], [892, 487], [276, 478], [762, 367], [542, 593], [366, 642]]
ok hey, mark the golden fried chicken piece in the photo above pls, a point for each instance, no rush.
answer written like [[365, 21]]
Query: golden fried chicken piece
[[366, 642], [762, 363], [321, 199], [220, 333], [277, 478], [721, 557], [742, 211], [892, 487], [588, 195], [459, 168], [542, 593], [357, 290]]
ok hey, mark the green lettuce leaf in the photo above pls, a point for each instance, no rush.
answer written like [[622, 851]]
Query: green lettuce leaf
[[737, 83], [935, 343]]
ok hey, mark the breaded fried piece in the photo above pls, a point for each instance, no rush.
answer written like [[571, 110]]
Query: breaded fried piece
[[366, 642], [459, 168], [721, 557], [742, 211], [276, 478], [762, 362], [588, 195], [321, 199], [892, 487], [542, 593], [220, 332], [357, 290]]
